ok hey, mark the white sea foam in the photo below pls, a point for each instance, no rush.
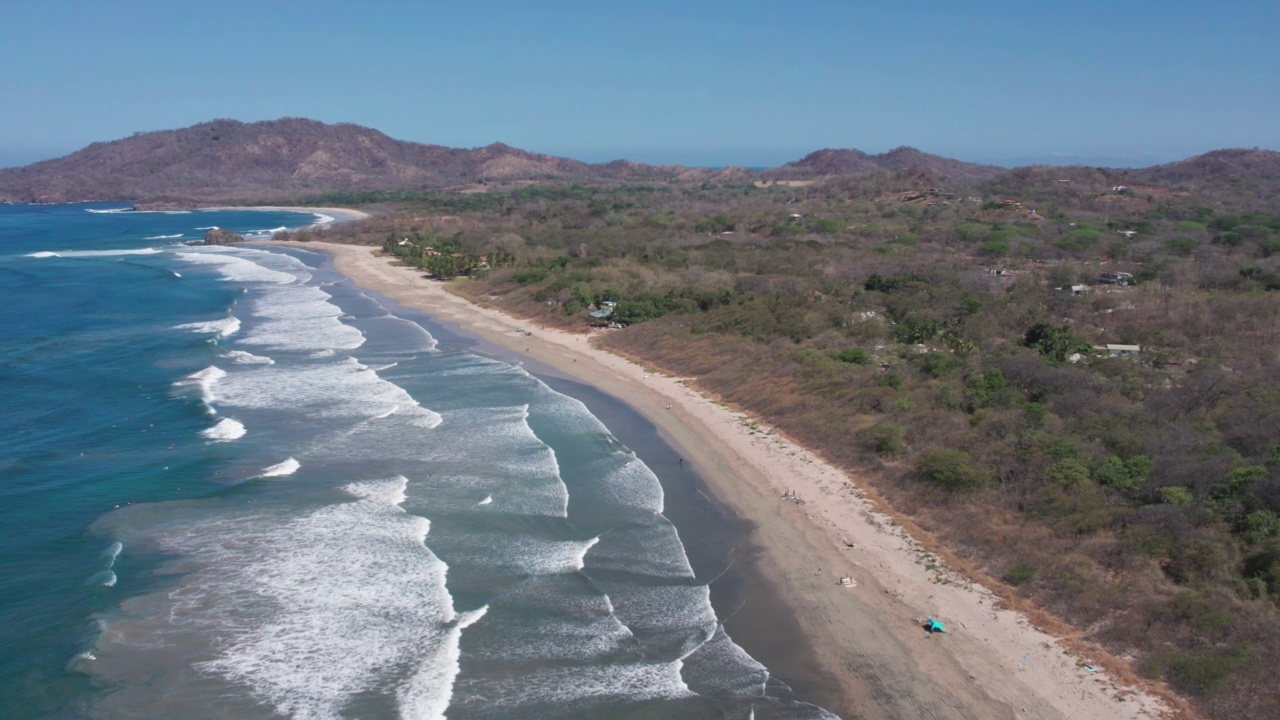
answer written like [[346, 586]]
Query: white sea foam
[[112, 253], [225, 431], [560, 687], [98, 253], [628, 482], [334, 390], [106, 578], [205, 380], [672, 609], [165, 237], [301, 318], [487, 499], [240, 357], [211, 227], [426, 695], [109, 211], [43, 254], [720, 667], [176, 273], [281, 469], [518, 464], [586, 548], [322, 219], [393, 333], [652, 549], [237, 269], [112, 552], [221, 328], [263, 234], [316, 609]]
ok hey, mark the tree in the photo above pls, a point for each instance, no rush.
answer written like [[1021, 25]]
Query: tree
[[1054, 342], [887, 439], [857, 356], [951, 469]]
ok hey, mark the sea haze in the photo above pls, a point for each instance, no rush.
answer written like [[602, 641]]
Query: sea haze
[[237, 486]]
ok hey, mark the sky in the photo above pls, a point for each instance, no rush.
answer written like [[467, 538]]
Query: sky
[[751, 83]]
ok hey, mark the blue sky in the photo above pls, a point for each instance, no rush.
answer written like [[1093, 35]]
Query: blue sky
[[700, 83]]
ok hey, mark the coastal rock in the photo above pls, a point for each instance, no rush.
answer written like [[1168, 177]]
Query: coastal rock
[[218, 236]]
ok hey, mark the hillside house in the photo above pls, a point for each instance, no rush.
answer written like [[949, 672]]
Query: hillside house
[[1115, 278], [1123, 350], [605, 311]]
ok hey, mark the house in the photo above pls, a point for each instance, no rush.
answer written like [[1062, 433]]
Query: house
[[1123, 350], [1115, 278], [606, 310], [1079, 289]]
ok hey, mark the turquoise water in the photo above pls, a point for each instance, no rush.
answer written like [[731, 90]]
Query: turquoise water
[[236, 486]]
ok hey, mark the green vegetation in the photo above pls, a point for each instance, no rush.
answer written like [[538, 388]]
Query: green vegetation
[[950, 469]]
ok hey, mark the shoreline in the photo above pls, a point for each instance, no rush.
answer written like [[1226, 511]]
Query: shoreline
[[338, 214], [873, 658], [717, 539]]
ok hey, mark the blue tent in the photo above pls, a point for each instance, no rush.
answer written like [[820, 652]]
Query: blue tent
[[934, 626]]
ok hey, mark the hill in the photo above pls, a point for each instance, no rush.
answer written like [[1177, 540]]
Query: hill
[[1228, 165], [830, 162], [287, 159], [293, 159]]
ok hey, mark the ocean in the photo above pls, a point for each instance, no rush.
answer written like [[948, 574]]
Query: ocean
[[234, 485]]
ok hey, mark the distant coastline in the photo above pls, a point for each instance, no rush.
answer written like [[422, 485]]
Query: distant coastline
[[338, 214]]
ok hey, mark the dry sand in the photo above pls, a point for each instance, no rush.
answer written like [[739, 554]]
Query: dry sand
[[875, 660], [338, 214]]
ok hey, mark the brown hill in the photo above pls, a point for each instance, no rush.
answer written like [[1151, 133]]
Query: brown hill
[[288, 159], [830, 162], [1216, 166], [227, 161]]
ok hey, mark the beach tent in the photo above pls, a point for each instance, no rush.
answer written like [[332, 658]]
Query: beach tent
[[934, 626]]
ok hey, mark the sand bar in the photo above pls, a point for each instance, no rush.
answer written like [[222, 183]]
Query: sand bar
[[813, 525]]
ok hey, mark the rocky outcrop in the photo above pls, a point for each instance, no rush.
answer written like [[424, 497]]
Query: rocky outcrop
[[218, 236]]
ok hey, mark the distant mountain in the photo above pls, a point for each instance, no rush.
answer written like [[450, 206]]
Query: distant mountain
[[855, 162], [1216, 166], [227, 161], [288, 159]]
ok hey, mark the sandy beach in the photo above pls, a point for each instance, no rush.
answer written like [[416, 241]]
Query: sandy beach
[[338, 214], [869, 656]]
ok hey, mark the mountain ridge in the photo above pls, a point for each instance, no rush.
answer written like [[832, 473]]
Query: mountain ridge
[[229, 161]]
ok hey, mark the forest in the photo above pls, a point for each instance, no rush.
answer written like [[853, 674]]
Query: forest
[[1069, 376]]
